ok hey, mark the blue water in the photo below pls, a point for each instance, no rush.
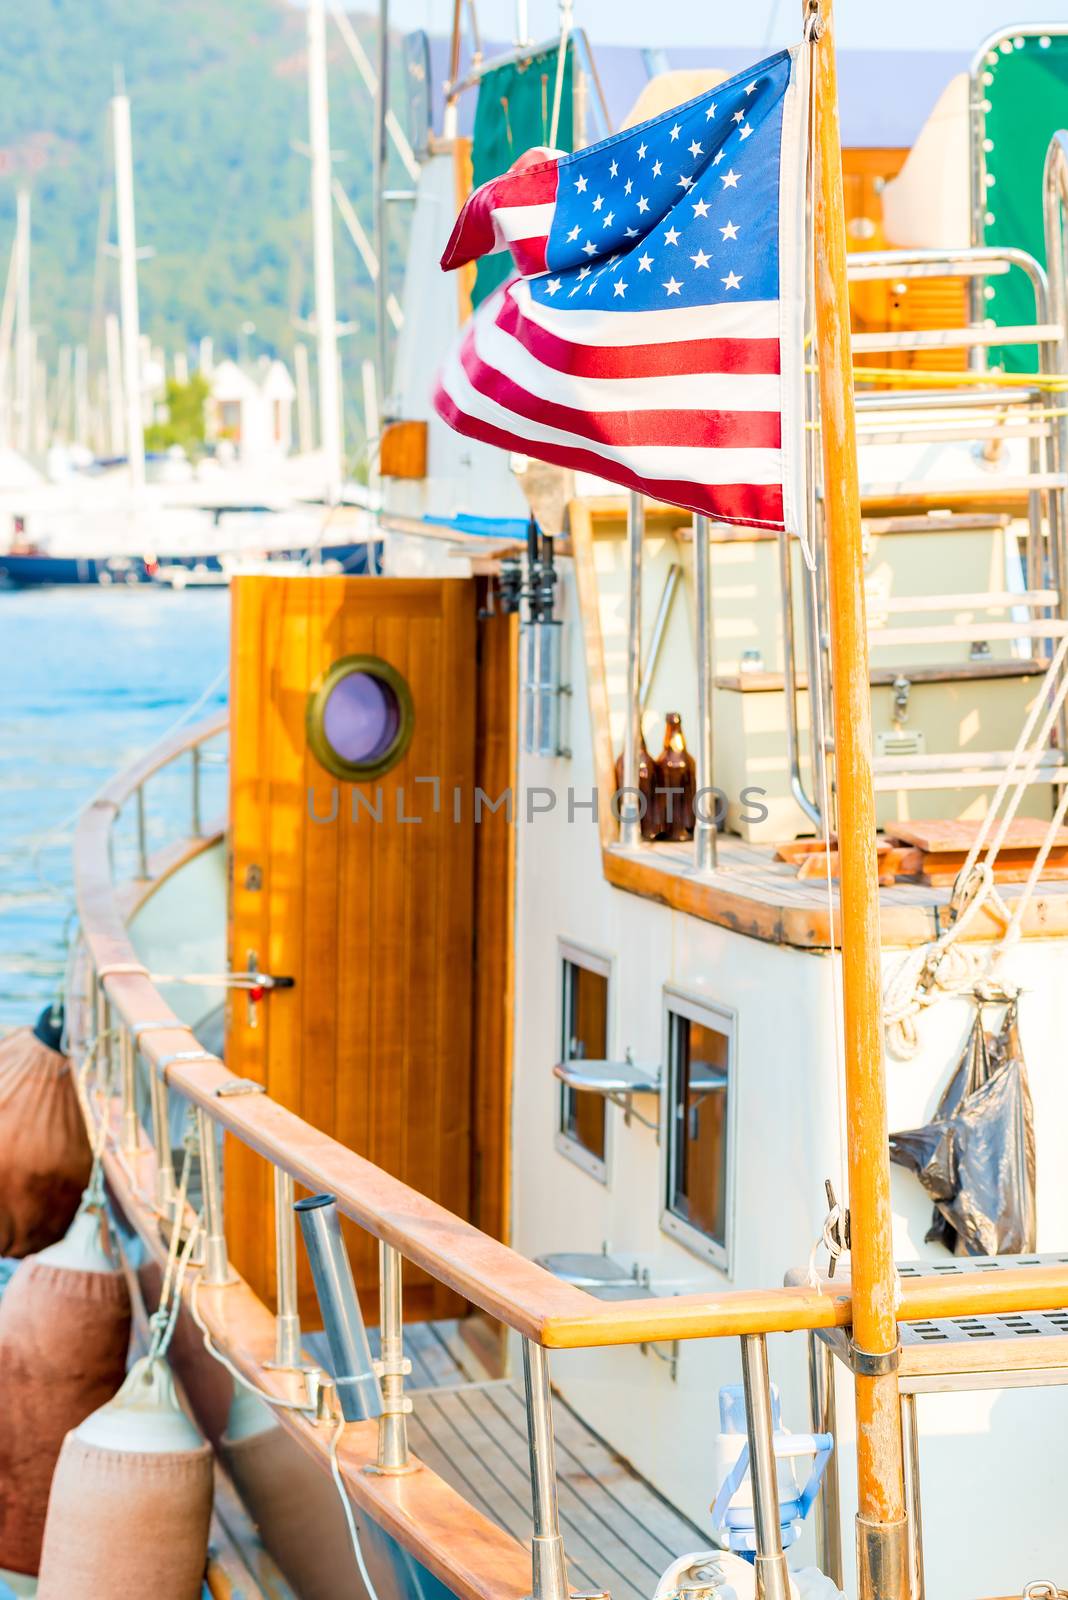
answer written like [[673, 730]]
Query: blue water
[[89, 679]]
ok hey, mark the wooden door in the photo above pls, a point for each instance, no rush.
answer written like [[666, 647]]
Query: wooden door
[[362, 892]]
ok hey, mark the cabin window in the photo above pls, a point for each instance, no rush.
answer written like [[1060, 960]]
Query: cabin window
[[360, 718], [583, 1125], [700, 1052]]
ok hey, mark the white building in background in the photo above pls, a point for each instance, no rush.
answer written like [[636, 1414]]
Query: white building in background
[[251, 404]]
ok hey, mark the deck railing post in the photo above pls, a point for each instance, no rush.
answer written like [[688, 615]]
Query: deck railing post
[[629, 802], [195, 819], [773, 1578], [828, 1505], [161, 1138], [393, 1367], [131, 1127], [287, 1327], [547, 1545], [911, 1443], [216, 1271], [142, 834], [705, 825]]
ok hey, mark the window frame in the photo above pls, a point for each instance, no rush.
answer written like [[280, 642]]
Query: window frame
[[591, 960], [722, 1019]]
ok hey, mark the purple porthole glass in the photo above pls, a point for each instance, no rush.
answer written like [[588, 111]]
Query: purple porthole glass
[[360, 718]]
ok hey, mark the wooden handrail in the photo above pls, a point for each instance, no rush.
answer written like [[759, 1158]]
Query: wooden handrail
[[485, 1272]]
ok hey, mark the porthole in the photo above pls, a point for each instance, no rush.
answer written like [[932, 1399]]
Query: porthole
[[360, 718]]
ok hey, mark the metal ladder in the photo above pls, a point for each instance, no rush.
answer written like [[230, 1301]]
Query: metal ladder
[[979, 414]]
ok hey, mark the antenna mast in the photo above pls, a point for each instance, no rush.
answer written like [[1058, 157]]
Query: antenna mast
[[23, 331], [128, 307], [330, 421]]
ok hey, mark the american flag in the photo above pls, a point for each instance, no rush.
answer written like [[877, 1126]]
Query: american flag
[[653, 333]]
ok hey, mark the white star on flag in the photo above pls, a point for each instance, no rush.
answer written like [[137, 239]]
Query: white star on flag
[[673, 286], [730, 179], [730, 231], [732, 280], [700, 260]]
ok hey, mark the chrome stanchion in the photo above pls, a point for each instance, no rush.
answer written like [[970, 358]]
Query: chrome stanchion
[[773, 1578], [828, 1505], [704, 830], [354, 1373], [216, 1272], [195, 817], [547, 1546], [910, 1439], [131, 1127], [142, 834], [630, 800], [161, 1139], [393, 1368], [287, 1316]]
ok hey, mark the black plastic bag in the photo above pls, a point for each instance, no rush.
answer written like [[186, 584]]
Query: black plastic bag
[[976, 1157]]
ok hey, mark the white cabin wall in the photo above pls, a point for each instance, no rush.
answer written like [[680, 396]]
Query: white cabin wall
[[786, 1140], [784, 1113]]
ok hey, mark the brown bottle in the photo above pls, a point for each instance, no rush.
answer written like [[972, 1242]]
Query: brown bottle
[[652, 820], [676, 771]]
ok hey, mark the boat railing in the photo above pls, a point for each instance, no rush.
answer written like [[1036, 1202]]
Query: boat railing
[[119, 1014]]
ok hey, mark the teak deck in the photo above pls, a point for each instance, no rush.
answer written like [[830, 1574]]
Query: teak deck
[[618, 1532], [753, 893]]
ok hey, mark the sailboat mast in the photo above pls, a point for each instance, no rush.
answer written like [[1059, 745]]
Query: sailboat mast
[[330, 427], [23, 332], [129, 312], [881, 1525]]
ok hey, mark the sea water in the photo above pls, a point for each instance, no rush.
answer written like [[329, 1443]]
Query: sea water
[[89, 680]]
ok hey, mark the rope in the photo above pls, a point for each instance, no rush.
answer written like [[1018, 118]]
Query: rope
[[165, 1317], [306, 1410], [346, 1506], [939, 968]]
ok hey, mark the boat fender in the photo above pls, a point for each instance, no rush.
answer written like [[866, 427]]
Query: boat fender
[[293, 1502], [726, 1576], [206, 1385], [64, 1334], [704, 1573], [131, 1499], [46, 1153]]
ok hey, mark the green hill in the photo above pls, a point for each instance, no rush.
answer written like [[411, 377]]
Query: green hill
[[218, 97]]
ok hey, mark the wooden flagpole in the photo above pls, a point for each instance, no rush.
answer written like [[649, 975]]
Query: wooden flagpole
[[881, 1526]]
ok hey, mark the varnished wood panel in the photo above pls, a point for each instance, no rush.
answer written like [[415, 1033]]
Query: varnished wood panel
[[372, 915]]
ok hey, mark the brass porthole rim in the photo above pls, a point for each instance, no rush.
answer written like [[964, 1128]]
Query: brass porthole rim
[[319, 694]]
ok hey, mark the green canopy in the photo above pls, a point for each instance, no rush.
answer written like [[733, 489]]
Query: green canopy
[[514, 113], [1023, 88]]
